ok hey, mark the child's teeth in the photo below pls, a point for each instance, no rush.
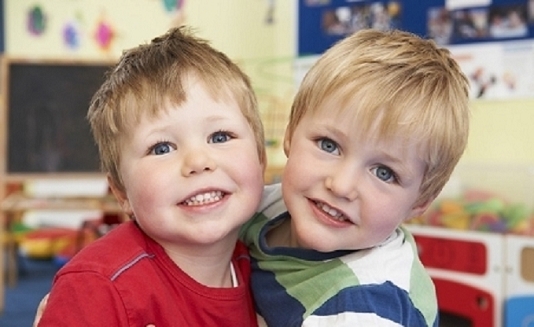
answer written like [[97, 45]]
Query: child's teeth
[[331, 211], [204, 198]]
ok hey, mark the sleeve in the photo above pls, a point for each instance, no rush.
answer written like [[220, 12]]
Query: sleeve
[[272, 203], [84, 299], [271, 206]]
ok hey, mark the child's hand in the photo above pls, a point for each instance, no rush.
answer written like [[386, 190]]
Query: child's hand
[[40, 310], [261, 321]]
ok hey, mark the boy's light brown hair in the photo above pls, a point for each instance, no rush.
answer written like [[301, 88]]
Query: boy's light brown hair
[[395, 84], [149, 77]]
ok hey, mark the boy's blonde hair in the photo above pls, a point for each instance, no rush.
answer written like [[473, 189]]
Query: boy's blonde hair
[[150, 76], [400, 84]]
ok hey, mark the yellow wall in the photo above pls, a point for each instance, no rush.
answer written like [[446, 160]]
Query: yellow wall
[[502, 132], [132, 22], [239, 28], [236, 27]]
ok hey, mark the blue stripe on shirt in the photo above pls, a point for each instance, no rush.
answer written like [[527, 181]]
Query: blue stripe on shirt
[[274, 298], [385, 300]]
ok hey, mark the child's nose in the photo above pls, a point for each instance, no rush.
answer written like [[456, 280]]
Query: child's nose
[[343, 183], [196, 161]]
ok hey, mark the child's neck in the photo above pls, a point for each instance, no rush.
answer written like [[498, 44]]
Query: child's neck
[[281, 235], [208, 267]]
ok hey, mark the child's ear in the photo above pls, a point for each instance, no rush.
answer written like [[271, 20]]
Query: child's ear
[[420, 208], [287, 142], [120, 195]]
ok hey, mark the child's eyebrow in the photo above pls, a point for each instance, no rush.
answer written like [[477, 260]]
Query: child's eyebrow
[[338, 134], [383, 155], [216, 117], [390, 159]]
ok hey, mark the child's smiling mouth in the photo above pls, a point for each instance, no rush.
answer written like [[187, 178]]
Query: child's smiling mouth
[[335, 214], [204, 198]]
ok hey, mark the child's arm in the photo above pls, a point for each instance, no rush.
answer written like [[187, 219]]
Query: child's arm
[[40, 310], [261, 321]]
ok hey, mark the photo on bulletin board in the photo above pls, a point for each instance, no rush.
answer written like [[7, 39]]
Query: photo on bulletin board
[[323, 22], [347, 19], [46, 104], [497, 22]]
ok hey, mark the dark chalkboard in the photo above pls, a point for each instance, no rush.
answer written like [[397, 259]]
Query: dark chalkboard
[[46, 104]]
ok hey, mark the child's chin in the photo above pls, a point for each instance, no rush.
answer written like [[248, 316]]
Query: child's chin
[[320, 245], [215, 238]]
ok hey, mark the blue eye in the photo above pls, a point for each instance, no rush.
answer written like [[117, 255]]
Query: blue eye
[[161, 148], [328, 145], [220, 137], [386, 174]]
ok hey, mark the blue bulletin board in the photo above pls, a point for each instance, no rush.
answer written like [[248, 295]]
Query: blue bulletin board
[[323, 22]]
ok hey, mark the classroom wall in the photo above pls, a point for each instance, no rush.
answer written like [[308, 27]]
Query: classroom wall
[[501, 132], [36, 29], [237, 27]]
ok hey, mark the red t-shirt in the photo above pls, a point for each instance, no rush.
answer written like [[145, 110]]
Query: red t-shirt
[[126, 279]]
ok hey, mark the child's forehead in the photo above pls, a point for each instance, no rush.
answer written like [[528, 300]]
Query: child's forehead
[[369, 114], [160, 102], [210, 112]]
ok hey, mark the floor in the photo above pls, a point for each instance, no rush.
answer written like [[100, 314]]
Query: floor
[[34, 280]]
